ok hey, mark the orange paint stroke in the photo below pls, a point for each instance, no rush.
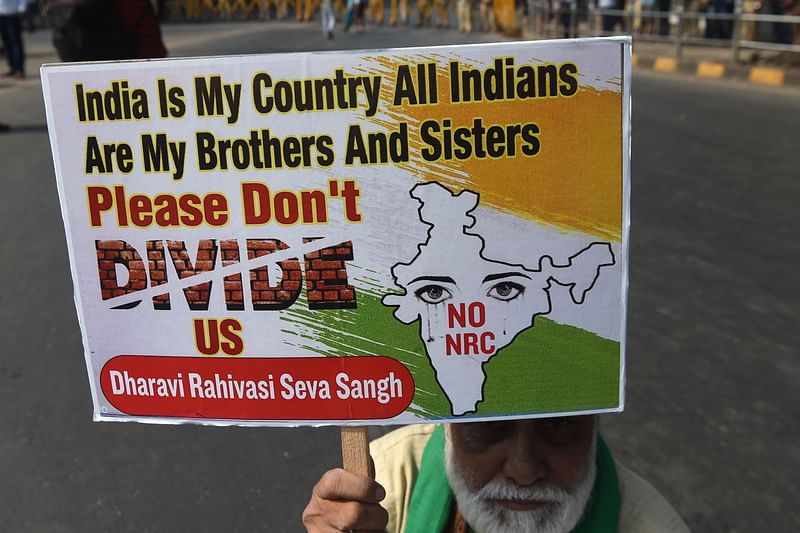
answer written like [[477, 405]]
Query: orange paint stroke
[[574, 182]]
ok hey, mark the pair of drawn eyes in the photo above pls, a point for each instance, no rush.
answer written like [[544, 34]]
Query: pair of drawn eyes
[[504, 291]]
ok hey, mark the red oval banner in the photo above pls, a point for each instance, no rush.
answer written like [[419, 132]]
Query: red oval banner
[[255, 388]]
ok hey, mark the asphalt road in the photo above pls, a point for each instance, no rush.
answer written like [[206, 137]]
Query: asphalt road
[[712, 416]]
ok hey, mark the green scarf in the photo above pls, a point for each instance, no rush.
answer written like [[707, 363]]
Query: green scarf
[[432, 501]]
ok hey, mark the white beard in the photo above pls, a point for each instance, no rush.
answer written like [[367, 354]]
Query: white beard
[[484, 517]]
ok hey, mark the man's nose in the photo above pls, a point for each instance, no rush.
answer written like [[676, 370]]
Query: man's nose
[[525, 464]]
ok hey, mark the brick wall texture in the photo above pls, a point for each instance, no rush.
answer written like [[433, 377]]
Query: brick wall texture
[[265, 295], [326, 275], [111, 253]]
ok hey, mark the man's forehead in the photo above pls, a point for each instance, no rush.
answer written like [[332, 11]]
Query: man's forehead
[[505, 426]]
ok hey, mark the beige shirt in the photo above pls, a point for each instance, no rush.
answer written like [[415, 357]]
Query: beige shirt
[[398, 454]]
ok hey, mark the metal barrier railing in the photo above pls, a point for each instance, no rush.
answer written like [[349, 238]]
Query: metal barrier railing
[[735, 30]]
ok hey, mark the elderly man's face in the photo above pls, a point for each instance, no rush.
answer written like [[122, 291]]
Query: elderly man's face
[[531, 475]]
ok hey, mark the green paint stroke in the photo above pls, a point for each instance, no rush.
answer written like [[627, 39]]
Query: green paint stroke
[[548, 368]]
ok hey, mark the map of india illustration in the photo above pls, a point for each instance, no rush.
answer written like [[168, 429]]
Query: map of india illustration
[[470, 306]]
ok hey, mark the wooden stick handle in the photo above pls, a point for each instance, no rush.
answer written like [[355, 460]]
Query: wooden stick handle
[[355, 450]]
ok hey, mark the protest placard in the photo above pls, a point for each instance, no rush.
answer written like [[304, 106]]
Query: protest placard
[[373, 237]]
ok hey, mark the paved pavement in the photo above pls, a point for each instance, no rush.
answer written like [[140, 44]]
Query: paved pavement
[[711, 415]]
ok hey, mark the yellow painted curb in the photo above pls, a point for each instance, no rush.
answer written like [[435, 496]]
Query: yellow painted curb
[[706, 69], [766, 76], [635, 60], [666, 64]]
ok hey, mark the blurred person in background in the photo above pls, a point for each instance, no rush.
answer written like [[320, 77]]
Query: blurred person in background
[[487, 15], [442, 13], [423, 13], [11, 13], [608, 20], [95, 30], [783, 30], [647, 25], [719, 28], [31, 20], [264, 9], [376, 11], [565, 17], [664, 6], [464, 12], [328, 18], [140, 20], [282, 9], [359, 7], [394, 7]]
